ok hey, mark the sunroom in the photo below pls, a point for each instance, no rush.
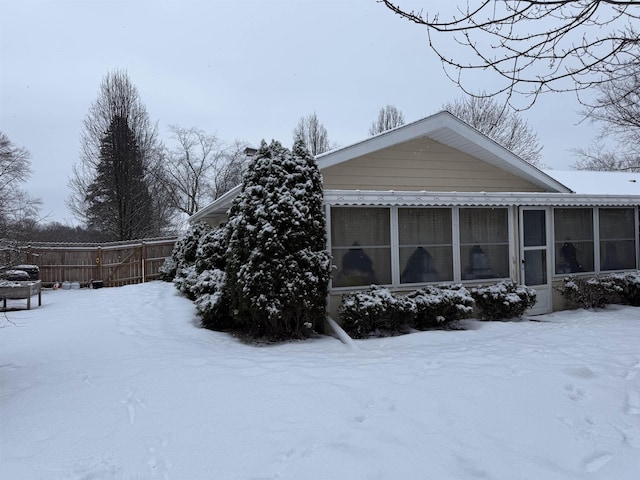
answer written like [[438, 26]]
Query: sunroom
[[477, 239]]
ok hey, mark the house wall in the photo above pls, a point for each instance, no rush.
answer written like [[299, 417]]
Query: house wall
[[422, 164]]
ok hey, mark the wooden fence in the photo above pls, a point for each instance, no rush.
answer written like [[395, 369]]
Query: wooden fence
[[115, 264]]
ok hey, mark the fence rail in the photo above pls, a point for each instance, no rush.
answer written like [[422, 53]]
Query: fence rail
[[114, 264]]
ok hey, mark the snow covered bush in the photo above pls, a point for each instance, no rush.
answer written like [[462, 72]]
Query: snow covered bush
[[184, 256], [591, 292], [375, 311], [168, 269], [278, 267], [503, 300], [211, 252], [628, 287], [440, 306], [185, 279], [186, 248], [210, 288], [212, 300]]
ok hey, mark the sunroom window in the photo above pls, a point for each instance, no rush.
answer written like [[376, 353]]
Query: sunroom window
[[484, 243], [573, 231], [425, 245], [617, 238], [361, 246]]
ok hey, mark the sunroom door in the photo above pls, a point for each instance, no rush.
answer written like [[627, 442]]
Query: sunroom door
[[535, 255]]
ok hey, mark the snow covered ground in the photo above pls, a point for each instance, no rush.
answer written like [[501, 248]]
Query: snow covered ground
[[121, 384]]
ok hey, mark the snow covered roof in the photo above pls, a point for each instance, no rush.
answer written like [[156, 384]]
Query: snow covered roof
[[598, 183], [586, 187]]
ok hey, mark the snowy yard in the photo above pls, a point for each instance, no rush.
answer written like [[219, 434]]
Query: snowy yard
[[121, 384]]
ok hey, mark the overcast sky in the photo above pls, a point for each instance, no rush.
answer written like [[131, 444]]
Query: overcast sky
[[244, 70]]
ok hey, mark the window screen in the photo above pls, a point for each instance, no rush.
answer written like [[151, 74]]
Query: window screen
[[484, 243], [425, 245], [361, 246], [573, 233], [617, 238]]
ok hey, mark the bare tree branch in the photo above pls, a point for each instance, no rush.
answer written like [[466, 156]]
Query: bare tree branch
[[532, 47], [200, 168], [388, 117], [508, 128], [16, 205]]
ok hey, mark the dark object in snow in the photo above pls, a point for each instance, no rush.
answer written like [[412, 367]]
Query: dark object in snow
[[357, 268], [419, 268], [96, 284]]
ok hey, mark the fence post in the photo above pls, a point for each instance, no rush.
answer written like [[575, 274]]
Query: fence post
[[99, 263], [143, 259]]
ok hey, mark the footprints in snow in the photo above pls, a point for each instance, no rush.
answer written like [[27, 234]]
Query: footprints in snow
[[633, 403], [575, 393], [587, 428], [633, 371], [633, 397], [132, 403], [375, 408], [596, 461], [157, 463]]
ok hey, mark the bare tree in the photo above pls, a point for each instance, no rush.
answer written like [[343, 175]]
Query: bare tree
[[313, 134], [16, 205], [229, 171], [200, 168], [388, 117], [617, 106], [617, 112], [508, 128], [532, 46], [118, 98], [598, 157]]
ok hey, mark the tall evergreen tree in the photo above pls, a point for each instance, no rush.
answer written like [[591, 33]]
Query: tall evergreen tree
[[119, 202], [118, 97], [278, 266]]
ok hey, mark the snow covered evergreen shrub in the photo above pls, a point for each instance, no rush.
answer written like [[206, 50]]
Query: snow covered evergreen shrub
[[440, 306], [212, 300], [186, 248], [186, 277], [628, 287], [212, 249], [210, 288], [278, 267], [375, 311], [184, 256], [168, 269], [591, 292], [503, 300]]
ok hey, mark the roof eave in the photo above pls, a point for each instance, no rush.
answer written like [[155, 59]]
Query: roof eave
[[218, 207]]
